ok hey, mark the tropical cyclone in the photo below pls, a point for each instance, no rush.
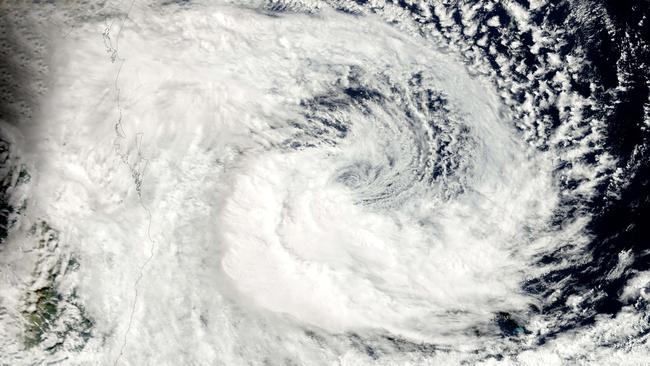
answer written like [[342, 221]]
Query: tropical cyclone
[[301, 182]]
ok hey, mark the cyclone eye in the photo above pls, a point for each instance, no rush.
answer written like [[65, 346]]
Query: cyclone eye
[[417, 138], [358, 175]]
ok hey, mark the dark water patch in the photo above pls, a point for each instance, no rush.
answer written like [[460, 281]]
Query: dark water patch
[[13, 175], [509, 326]]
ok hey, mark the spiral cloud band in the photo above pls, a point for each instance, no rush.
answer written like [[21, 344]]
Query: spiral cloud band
[[319, 183]]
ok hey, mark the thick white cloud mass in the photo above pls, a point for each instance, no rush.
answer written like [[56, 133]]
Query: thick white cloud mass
[[230, 185]]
